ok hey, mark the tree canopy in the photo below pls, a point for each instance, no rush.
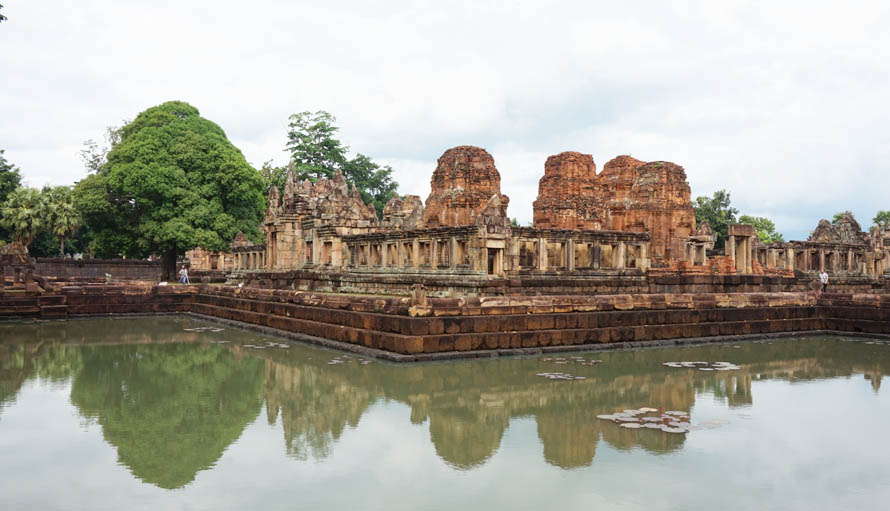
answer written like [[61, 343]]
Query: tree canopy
[[718, 212], [60, 214], [172, 182], [23, 215], [10, 179], [764, 227], [882, 218], [317, 154]]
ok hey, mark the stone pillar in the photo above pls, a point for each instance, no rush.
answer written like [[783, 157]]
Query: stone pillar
[[850, 261], [730, 249], [415, 249], [384, 256], [595, 253], [399, 254], [513, 254], [622, 255], [452, 246], [749, 252], [542, 254], [821, 259], [570, 254], [434, 253], [789, 259]]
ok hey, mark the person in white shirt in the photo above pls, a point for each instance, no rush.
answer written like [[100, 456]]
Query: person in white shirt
[[823, 278]]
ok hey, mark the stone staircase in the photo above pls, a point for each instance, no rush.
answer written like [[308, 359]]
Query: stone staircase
[[23, 304]]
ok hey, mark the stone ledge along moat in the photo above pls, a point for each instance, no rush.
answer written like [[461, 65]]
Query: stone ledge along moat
[[472, 327]]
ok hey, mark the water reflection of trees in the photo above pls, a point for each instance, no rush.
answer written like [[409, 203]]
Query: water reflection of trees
[[172, 409], [470, 404]]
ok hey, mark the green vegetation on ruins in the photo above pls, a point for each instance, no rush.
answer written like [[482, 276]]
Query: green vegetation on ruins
[[318, 154], [719, 213], [882, 218], [764, 227]]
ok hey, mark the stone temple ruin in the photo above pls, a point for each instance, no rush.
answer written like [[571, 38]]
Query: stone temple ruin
[[631, 220]]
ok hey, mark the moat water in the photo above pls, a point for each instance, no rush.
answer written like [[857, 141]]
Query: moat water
[[177, 413]]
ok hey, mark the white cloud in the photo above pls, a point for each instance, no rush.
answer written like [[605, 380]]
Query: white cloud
[[784, 103]]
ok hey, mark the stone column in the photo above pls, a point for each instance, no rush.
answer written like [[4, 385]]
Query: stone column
[[542, 254], [415, 249], [384, 257], [730, 249], [595, 253], [570, 254], [622, 255], [452, 246], [850, 262], [749, 263], [789, 259], [512, 254], [399, 254], [821, 259], [434, 253]]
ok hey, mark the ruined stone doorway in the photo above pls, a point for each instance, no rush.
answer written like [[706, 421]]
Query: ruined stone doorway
[[495, 261]]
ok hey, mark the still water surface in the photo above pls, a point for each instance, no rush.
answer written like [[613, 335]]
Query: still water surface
[[150, 413]]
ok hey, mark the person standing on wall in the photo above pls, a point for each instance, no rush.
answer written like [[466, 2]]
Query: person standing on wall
[[184, 276], [823, 279]]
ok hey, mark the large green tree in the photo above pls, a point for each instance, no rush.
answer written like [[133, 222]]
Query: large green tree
[[312, 144], [718, 212], [764, 227], [172, 182], [317, 154], [10, 179]]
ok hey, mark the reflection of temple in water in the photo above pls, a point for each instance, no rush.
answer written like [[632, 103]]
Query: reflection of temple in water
[[467, 406]]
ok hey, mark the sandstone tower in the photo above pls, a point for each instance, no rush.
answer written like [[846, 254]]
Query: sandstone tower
[[464, 181], [629, 195]]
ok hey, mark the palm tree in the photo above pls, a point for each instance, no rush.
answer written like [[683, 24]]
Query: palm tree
[[60, 215], [23, 214]]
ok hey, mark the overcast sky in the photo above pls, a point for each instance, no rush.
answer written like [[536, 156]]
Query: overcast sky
[[784, 104]]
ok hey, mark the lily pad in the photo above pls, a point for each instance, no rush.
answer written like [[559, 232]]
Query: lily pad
[[631, 425], [669, 429]]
